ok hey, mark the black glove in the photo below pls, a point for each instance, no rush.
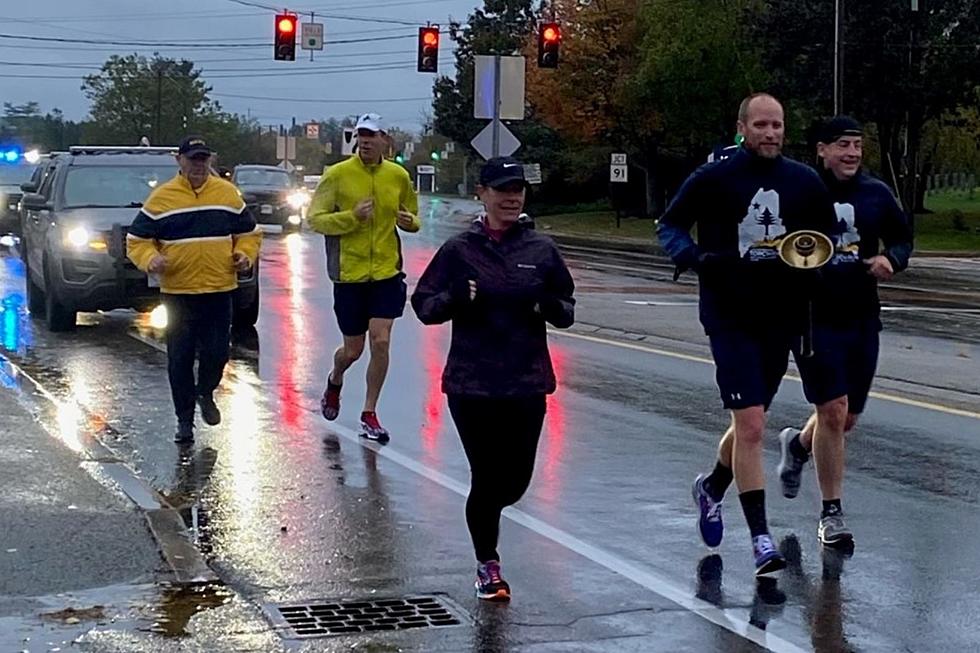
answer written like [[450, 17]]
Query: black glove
[[710, 262], [459, 290]]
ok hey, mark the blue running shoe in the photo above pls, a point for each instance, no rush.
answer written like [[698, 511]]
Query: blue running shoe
[[709, 520], [768, 559]]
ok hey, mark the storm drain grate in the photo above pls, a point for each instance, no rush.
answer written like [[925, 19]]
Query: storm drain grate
[[349, 617]]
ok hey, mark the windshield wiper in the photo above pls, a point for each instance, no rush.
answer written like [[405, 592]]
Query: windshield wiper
[[103, 206]]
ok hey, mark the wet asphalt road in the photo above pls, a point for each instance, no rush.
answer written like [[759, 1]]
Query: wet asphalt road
[[602, 552]]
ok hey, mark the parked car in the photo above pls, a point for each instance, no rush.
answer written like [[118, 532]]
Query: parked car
[[74, 227], [272, 195], [12, 175]]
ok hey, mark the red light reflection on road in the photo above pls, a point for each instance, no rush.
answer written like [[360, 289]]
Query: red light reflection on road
[[434, 405], [553, 438]]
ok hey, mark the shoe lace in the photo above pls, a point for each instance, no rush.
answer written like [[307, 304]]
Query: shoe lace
[[491, 571], [764, 545], [714, 511]]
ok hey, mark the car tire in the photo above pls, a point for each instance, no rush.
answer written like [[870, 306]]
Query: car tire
[[58, 317], [36, 301], [246, 316]]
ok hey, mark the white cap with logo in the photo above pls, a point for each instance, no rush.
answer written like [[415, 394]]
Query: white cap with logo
[[371, 122]]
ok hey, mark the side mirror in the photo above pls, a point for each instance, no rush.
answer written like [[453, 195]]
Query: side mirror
[[35, 202], [29, 187]]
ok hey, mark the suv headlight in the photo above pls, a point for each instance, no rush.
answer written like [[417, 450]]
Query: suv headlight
[[298, 199], [80, 238]]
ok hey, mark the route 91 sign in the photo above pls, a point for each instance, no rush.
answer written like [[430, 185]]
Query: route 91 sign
[[618, 173]]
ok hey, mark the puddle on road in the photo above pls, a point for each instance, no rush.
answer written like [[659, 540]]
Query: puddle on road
[[48, 623], [179, 604]]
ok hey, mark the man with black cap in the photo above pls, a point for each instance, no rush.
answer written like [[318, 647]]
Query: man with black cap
[[846, 314], [499, 283], [195, 233], [359, 206]]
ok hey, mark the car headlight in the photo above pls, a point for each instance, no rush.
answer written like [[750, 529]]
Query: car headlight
[[80, 237], [298, 200]]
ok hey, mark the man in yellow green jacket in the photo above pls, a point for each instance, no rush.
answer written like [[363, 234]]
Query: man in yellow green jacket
[[359, 206], [195, 233]]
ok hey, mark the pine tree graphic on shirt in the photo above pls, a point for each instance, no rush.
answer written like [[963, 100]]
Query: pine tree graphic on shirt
[[761, 230]]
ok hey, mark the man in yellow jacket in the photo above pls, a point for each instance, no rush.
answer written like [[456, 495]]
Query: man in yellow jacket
[[358, 206], [196, 234]]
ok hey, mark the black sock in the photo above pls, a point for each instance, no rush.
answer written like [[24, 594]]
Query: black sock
[[718, 481], [754, 507], [796, 448], [831, 507]]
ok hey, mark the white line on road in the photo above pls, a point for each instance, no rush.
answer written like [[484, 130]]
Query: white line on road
[[929, 309], [642, 303], [727, 619], [949, 410]]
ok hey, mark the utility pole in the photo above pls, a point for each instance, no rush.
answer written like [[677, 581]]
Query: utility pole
[[159, 100], [838, 57]]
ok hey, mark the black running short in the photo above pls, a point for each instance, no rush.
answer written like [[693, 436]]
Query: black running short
[[749, 366], [844, 361], [355, 304]]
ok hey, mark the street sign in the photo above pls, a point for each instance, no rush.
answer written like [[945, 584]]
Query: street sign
[[348, 143], [328, 148], [313, 130], [286, 147], [450, 147], [618, 173], [483, 143], [312, 36], [287, 166], [409, 149], [504, 80], [618, 159], [425, 170], [532, 173]]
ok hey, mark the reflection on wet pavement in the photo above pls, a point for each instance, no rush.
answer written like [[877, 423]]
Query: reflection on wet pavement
[[287, 510]]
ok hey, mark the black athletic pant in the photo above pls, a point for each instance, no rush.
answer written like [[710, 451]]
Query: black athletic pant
[[500, 437], [198, 326]]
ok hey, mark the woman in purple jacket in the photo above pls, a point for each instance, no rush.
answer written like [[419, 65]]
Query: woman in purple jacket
[[499, 283]]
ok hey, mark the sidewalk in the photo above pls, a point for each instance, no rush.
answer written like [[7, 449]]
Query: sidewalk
[[63, 535]]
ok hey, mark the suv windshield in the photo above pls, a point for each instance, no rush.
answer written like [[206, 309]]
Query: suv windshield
[[257, 177], [114, 186], [15, 175]]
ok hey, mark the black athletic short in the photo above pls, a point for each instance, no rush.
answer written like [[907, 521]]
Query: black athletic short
[[844, 361], [749, 366], [355, 304]]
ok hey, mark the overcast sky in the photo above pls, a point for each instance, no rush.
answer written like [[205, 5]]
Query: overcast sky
[[400, 94]]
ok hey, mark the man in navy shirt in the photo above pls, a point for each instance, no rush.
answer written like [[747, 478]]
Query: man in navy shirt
[[846, 312], [751, 303]]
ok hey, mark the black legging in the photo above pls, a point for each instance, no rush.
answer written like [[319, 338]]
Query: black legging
[[500, 437]]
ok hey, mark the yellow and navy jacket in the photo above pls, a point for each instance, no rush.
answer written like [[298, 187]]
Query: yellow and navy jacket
[[197, 231], [369, 250]]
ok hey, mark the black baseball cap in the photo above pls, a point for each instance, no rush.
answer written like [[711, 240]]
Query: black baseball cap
[[839, 127], [194, 146], [501, 171]]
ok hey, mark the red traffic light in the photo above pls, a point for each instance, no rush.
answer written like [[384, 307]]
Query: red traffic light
[[285, 37], [428, 52], [551, 34]]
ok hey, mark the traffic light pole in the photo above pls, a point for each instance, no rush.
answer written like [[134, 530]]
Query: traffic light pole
[[496, 105]]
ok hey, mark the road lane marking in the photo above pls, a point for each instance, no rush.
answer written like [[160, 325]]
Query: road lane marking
[[884, 396], [728, 619]]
